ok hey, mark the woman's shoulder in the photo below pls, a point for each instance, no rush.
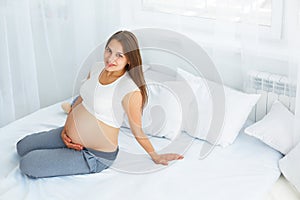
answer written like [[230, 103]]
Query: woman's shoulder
[[127, 84]]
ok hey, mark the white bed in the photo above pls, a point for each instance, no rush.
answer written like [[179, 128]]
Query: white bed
[[244, 170]]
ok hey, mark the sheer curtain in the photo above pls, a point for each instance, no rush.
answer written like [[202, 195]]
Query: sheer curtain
[[292, 34], [18, 76], [42, 45], [237, 41]]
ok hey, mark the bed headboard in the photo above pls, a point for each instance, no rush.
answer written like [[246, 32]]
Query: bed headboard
[[271, 87]]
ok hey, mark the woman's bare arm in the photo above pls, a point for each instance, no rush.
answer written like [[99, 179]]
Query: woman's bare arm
[[132, 104]]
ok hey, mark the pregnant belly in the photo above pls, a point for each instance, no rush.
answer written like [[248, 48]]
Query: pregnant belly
[[83, 128]]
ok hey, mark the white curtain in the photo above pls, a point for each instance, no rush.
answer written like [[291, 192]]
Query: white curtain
[[293, 40], [236, 32], [18, 76], [42, 44]]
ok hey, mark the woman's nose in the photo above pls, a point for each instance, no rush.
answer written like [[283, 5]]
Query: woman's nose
[[112, 58]]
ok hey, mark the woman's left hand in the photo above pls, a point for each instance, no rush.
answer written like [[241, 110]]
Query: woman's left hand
[[165, 158]]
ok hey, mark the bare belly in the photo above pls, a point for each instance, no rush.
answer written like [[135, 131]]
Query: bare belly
[[83, 128]]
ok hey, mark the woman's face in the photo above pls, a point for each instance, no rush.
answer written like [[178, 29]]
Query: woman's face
[[114, 57]]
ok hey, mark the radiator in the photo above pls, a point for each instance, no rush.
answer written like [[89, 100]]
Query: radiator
[[271, 87]]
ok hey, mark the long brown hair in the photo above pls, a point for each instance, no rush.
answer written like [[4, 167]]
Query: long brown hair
[[131, 50]]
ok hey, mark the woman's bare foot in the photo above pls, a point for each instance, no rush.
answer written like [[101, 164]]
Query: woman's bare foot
[[66, 106]]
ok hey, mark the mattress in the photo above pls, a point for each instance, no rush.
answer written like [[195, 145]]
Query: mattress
[[247, 169]]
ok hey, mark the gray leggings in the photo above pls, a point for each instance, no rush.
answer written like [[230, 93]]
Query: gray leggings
[[45, 155]]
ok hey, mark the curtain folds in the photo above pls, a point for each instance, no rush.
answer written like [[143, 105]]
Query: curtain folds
[[42, 45], [292, 33], [18, 76]]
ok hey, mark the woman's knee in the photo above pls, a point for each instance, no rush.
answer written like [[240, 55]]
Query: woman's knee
[[22, 145], [29, 164]]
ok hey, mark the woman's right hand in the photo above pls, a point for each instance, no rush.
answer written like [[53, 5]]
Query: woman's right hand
[[68, 141]]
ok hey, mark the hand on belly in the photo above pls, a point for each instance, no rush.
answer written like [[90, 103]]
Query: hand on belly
[[68, 142], [83, 128]]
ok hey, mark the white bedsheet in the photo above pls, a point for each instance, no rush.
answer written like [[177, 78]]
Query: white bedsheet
[[245, 170]]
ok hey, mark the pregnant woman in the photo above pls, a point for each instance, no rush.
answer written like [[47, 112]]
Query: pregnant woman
[[88, 142]]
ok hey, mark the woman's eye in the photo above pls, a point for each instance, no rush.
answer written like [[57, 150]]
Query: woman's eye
[[119, 55], [108, 50]]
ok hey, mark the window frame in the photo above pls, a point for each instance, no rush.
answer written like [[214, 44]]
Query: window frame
[[274, 31]]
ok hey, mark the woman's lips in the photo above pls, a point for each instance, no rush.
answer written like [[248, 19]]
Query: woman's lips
[[111, 65]]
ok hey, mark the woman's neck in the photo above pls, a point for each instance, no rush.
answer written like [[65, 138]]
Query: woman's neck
[[114, 74]]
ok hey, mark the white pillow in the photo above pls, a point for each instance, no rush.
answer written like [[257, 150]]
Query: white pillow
[[290, 165], [238, 106], [160, 74], [162, 115], [275, 129], [186, 99]]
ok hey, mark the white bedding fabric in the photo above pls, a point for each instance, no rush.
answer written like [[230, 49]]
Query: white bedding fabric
[[244, 170]]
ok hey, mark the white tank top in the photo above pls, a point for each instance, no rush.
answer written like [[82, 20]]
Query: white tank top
[[105, 101]]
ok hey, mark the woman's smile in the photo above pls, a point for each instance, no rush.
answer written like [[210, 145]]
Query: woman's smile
[[111, 65]]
